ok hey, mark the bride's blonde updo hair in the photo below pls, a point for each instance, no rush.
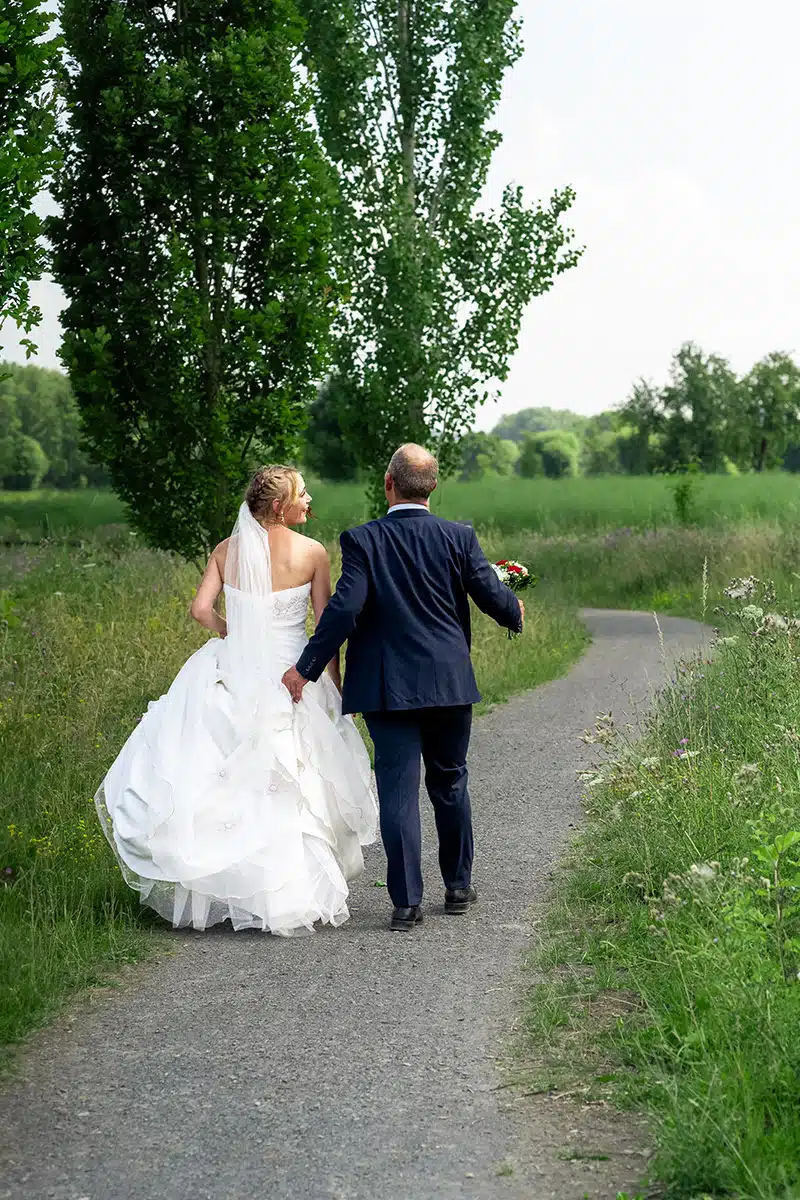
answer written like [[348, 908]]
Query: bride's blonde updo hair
[[270, 483]]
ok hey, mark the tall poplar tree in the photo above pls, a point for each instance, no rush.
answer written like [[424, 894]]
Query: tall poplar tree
[[193, 250], [436, 283], [28, 60]]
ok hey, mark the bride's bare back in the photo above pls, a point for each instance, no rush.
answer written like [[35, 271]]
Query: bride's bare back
[[295, 559]]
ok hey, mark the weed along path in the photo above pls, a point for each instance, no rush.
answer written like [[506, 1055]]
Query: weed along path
[[354, 1064]]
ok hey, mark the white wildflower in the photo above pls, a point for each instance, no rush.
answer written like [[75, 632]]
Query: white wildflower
[[703, 871], [775, 621], [752, 612], [650, 763], [741, 589], [727, 641], [747, 771]]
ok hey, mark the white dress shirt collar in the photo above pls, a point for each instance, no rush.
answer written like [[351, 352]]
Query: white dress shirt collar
[[397, 507]]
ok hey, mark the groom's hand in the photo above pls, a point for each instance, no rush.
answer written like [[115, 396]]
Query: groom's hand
[[294, 682], [521, 610]]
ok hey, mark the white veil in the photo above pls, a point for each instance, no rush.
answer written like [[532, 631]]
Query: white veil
[[248, 586], [248, 566]]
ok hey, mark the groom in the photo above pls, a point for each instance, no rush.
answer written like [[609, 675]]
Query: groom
[[402, 604]]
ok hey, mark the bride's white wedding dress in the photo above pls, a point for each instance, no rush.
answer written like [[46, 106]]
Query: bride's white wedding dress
[[230, 801]]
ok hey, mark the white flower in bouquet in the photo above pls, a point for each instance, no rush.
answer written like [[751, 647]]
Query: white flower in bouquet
[[514, 575]]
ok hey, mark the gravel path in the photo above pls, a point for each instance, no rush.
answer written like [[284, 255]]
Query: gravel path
[[354, 1064]]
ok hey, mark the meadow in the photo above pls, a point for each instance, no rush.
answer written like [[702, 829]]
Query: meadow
[[505, 506]]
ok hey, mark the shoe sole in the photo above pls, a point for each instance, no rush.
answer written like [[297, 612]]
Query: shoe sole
[[457, 908], [404, 926]]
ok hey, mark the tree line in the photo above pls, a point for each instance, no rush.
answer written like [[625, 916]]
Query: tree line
[[40, 432], [254, 194], [703, 418]]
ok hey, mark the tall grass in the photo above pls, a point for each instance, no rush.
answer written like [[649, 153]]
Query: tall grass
[[659, 570], [550, 508], [88, 635], [682, 896]]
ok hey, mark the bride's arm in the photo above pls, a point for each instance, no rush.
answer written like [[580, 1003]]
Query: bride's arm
[[320, 595], [203, 608]]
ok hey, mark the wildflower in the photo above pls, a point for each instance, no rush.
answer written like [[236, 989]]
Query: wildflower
[[741, 589], [775, 621], [752, 612], [746, 772], [650, 763], [703, 871], [684, 742]]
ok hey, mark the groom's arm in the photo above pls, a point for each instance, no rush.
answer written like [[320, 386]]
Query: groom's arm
[[490, 595], [341, 612]]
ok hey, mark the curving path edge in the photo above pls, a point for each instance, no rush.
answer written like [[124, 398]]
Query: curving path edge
[[354, 1064]]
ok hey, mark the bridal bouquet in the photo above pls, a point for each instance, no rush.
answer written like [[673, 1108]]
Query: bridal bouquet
[[516, 576]]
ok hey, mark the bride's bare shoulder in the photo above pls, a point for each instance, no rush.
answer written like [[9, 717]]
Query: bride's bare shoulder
[[316, 550], [220, 553], [308, 545]]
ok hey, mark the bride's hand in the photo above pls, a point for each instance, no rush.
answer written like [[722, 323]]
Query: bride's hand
[[294, 682]]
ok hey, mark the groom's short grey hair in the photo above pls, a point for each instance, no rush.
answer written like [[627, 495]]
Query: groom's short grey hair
[[414, 472]]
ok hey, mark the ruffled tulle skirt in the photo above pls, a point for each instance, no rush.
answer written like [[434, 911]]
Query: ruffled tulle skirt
[[243, 807]]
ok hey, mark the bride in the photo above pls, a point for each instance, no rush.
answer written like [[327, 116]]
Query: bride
[[228, 800]]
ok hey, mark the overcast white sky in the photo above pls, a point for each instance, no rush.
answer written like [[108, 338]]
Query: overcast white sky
[[678, 124]]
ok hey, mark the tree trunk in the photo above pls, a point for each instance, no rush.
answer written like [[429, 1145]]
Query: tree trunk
[[406, 107]]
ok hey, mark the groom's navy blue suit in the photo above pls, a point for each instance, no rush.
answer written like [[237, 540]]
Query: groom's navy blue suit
[[402, 604]]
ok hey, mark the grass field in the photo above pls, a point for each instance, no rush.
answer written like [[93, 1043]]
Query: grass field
[[550, 508]]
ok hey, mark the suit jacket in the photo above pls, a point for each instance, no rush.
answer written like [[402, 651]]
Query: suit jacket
[[402, 604]]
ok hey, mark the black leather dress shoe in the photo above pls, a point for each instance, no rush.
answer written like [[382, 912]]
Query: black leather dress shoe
[[458, 900], [404, 919]]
